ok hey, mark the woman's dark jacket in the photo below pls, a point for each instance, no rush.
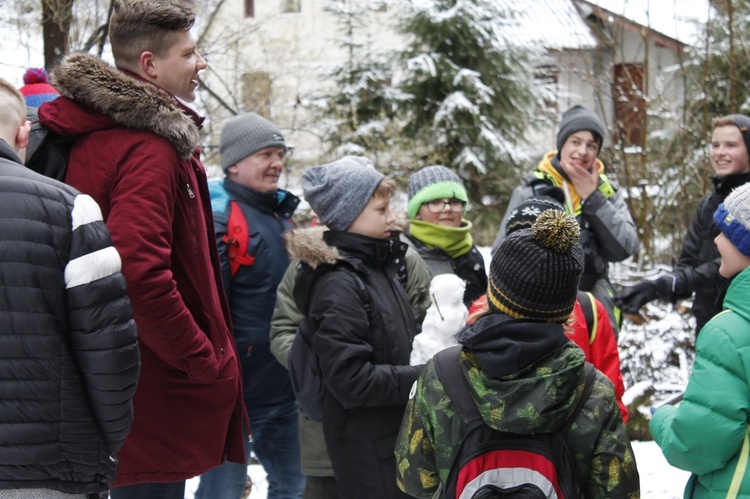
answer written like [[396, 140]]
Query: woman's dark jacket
[[469, 266]]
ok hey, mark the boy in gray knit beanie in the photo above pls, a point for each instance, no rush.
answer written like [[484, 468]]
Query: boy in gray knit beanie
[[349, 279], [340, 190]]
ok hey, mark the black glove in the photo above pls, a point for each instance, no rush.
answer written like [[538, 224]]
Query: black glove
[[666, 287], [632, 298]]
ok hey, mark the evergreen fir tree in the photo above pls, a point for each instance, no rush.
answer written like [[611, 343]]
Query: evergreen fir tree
[[357, 112], [471, 97]]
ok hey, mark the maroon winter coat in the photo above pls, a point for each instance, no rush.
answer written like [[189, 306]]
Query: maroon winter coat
[[138, 159]]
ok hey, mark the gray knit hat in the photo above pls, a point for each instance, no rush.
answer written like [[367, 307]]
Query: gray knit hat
[[579, 118], [743, 123], [339, 191], [246, 134], [433, 182]]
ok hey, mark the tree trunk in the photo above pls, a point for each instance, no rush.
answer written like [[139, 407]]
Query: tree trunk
[[56, 17]]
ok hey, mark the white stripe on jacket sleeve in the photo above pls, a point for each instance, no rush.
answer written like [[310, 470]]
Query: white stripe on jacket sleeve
[[97, 264]]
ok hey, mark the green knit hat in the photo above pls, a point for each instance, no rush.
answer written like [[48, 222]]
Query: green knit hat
[[433, 182]]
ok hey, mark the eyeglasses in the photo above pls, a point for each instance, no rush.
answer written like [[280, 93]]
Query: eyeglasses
[[438, 205]]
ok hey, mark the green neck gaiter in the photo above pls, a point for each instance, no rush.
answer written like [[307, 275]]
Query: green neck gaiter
[[455, 241]]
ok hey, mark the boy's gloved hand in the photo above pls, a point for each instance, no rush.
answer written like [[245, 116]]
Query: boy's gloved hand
[[632, 298]]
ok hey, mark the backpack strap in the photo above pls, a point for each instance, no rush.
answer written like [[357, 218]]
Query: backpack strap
[[588, 305], [451, 376], [587, 389], [237, 239], [363, 293]]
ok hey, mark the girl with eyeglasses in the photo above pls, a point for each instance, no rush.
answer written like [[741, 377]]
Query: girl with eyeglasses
[[438, 230]]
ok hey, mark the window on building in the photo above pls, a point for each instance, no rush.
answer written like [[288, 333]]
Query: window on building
[[256, 92], [249, 8], [291, 6], [545, 76], [630, 104]]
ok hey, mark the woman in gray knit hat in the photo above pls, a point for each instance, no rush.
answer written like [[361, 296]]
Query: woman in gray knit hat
[[608, 232], [438, 230]]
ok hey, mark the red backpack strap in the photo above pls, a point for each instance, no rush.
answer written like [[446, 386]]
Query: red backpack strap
[[237, 239]]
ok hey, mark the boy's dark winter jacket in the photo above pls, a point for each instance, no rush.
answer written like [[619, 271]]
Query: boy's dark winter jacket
[[68, 347], [364, 357]]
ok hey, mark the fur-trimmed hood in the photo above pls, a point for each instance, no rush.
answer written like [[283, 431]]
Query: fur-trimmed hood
[[126, 100], [307, 246]]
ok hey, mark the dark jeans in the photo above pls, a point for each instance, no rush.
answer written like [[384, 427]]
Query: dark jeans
[[320, 487], [174, 490]]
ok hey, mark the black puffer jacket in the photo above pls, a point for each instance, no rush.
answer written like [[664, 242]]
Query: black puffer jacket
[[697, 270], [68, 346], [364, 357]]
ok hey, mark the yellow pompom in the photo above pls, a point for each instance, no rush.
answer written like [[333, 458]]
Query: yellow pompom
[[556, 230]]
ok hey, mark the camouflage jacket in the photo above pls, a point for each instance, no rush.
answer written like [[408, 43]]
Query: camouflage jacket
[[513, 397]]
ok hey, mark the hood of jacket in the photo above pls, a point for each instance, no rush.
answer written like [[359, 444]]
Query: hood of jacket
[[536, 368], [723, 186], [307, 246], [97, 96], [318, 249]]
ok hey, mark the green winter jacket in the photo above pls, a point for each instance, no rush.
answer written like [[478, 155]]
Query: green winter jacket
[[704, 434], [287, 318], [526, 377]]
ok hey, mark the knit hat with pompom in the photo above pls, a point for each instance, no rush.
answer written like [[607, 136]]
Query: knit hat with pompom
[[37, 89], [733, 218], [535, 272]]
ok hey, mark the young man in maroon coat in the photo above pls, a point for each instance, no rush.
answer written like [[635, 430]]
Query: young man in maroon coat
[[138, 158]]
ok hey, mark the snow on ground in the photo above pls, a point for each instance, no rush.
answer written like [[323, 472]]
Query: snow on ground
[[658, 479]]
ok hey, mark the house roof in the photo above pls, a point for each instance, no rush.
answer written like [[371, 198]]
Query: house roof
[[678, 20], [552, 24], [561, 25]]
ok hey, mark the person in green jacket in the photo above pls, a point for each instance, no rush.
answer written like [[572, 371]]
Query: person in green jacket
[[707, 434]]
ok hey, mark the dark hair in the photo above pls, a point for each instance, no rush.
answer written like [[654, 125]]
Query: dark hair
[[138, 26]]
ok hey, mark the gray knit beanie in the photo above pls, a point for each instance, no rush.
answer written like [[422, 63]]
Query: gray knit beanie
[[579, 118], [246, 134], [433, 182], [339, 191], [743, 123]]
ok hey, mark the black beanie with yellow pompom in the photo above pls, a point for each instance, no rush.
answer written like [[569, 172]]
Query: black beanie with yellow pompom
[[535, 272]]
